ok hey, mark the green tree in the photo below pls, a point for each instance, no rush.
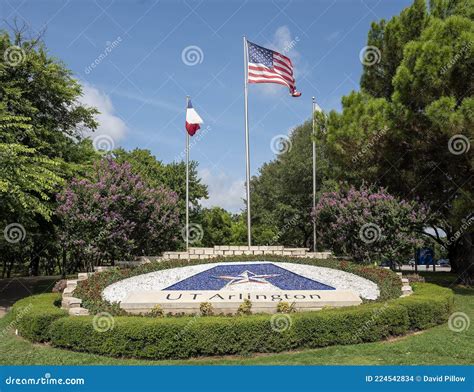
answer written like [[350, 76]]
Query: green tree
[[282, 192], [172, 176], [410, 127], [42, 125], [216, 226]]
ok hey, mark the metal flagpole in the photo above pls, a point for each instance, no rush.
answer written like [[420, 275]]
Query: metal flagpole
[[187, 184], [247, 146], [314, 178]]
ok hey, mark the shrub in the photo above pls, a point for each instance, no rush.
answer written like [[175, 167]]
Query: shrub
[[184, 337], [33, 315], [157, 311], [245, 307], [90, 290], [429, 309], [285, 307], [114, 215], [206, 309], [369, 224]]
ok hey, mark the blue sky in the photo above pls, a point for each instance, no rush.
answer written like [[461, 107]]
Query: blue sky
[[149, 54]]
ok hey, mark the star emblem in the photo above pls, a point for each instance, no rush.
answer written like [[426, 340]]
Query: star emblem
[[246, 277]]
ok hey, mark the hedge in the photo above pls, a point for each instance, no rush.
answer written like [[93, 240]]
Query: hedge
[[90, 290], [32, 316], [184, 337]]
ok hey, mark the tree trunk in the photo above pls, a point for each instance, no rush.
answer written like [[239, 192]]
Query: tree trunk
[[34, 261], [461, 258]]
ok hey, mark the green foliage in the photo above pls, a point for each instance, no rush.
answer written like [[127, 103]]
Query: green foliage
[[157, 311], [41, 88], [27, 180], [370, 224], [281, 193], [217, 225], [41, 146], [114, 215], [184, 337], [32, 316], [285, 307], [245, 308], [423, 313], [173, 176], [206, 309], [410, 126]]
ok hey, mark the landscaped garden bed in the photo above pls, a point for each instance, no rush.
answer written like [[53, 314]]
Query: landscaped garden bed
[[190, 336], [91, 290]]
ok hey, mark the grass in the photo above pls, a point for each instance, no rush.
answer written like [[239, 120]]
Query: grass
[[436, 346]]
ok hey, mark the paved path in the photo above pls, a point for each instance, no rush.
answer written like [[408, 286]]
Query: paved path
[[13, 289]]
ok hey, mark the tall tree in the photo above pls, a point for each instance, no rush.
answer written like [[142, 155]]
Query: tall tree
[[282, 192], [410, 127], [42, 125], [157, 174]]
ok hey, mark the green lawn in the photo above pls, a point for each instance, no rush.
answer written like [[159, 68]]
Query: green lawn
[[436, 346]]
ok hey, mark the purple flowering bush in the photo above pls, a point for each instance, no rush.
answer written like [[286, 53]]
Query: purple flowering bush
[[115, 216], [370, 225]]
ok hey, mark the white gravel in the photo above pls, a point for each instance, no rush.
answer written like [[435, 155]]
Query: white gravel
[[159, 280]]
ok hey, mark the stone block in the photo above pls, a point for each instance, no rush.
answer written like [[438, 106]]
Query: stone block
[[71, 302], [102, 268], [68, 292], [276, 247], [84, 275], [78, 312], [71, 283], [229, 252]]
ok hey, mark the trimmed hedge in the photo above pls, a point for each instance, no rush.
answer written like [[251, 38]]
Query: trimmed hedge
[[90, 290], [430, 308], [184, 337], [32, 316]]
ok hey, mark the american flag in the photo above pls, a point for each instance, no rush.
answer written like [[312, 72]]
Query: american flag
[[268, 66]]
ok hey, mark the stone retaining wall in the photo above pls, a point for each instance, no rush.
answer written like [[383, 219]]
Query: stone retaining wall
[[237, 250]]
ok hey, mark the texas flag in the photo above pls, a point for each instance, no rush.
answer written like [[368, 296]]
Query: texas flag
[[192, 119]]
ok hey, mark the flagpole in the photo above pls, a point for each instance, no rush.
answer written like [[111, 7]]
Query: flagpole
[[247, 146], [314, 178], [187, 184]]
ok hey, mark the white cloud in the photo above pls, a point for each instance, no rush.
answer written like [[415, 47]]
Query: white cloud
[[224, 191], [110, 124]]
